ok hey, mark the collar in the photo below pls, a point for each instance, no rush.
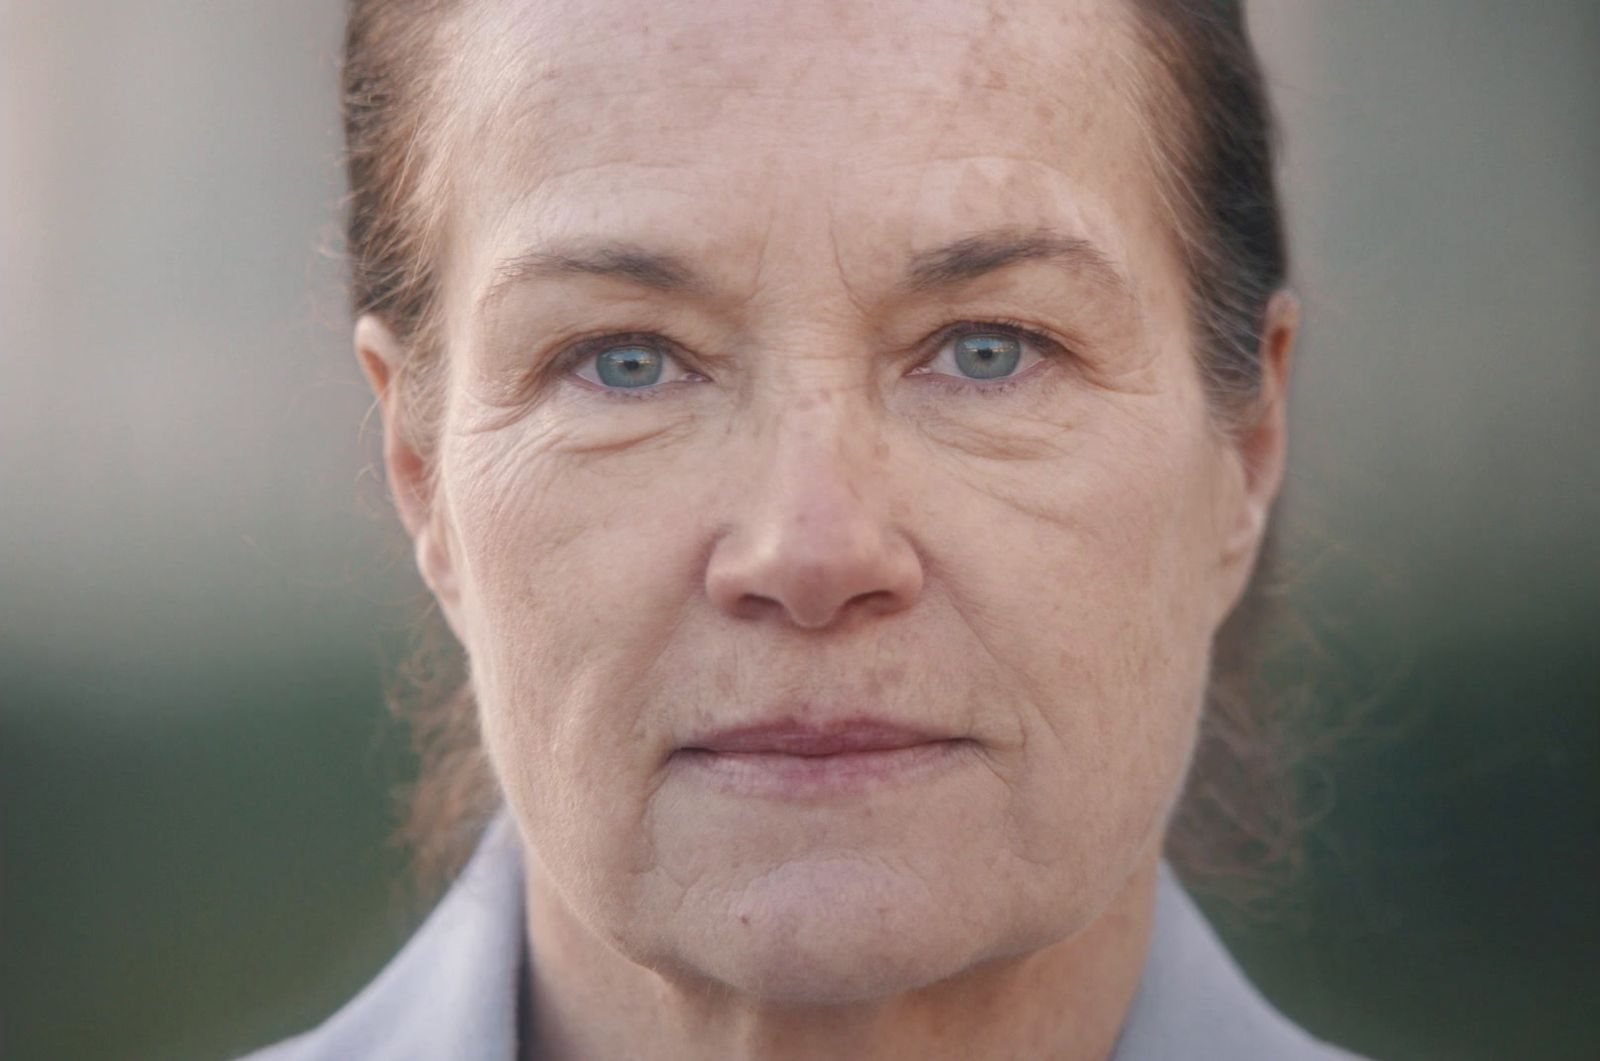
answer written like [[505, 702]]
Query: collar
[[1193, 1000], [453, 990]]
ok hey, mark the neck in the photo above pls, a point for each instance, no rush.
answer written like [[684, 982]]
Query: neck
[[1065, 1000]]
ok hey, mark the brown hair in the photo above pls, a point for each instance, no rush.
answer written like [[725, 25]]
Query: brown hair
[[1236, 820], [1238, 825]]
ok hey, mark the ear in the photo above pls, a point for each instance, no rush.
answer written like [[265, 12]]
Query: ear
[[381, 354], [1262, 444]]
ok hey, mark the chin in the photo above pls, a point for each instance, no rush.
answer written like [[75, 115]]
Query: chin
[[838, 931]]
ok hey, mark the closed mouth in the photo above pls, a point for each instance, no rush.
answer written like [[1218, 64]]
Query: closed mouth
[[793, 760]]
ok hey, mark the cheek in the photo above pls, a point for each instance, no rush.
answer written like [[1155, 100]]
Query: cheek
[[561, 574], [1083, 577], [570, 603]]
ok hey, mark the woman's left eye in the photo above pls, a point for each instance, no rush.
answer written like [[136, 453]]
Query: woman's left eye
[[980, 355]]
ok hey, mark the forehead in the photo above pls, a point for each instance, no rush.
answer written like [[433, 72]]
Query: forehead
[[723, 129]]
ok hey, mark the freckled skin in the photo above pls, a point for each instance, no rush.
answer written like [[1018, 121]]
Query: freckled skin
[[812, 521]]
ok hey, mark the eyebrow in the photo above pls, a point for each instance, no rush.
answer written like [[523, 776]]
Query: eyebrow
[[974, 256], [949, 265], [620, 261]]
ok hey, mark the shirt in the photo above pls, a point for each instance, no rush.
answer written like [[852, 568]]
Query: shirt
[[454, 990]]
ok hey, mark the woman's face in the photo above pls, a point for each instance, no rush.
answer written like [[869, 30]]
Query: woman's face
[[826, 495]]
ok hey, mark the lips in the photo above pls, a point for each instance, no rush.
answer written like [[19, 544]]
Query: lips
[[793, 738], [792, 760]]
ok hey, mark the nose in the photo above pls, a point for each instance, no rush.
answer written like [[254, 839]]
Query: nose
[[812, 539]]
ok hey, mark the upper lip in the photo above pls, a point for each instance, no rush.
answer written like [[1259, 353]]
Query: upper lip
[[793, 737]]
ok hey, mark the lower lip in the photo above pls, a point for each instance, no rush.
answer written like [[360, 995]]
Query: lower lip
[[787, 776]]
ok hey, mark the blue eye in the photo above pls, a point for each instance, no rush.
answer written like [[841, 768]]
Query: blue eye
[[987, 355], [629, 366]]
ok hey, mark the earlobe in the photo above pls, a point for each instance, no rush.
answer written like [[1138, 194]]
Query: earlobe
[[381, 355]]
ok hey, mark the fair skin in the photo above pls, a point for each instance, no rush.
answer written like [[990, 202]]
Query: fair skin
[[804, 227]]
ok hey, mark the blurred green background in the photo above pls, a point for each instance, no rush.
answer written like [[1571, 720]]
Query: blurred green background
[[199, 583]]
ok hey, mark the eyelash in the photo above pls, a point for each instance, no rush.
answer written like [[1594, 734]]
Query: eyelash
[[1046, 345]]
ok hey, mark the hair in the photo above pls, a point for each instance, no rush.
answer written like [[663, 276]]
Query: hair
[[1214, 137]]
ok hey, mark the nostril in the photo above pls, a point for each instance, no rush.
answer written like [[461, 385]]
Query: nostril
[[879, 601], [753, 606]]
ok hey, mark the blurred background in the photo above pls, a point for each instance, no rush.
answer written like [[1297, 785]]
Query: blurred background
[[200, 585]]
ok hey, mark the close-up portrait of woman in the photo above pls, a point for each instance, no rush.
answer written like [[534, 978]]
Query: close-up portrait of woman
[[847, 592]]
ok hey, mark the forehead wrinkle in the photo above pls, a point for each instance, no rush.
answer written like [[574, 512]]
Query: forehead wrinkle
[[501, 102], [521, 80], [715, 46]]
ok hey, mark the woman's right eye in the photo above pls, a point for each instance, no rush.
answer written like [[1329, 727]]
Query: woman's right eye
[[630, 366]]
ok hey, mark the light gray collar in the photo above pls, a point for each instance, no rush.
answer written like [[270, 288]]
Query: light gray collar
[[453, 990], [1194, 1002]]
